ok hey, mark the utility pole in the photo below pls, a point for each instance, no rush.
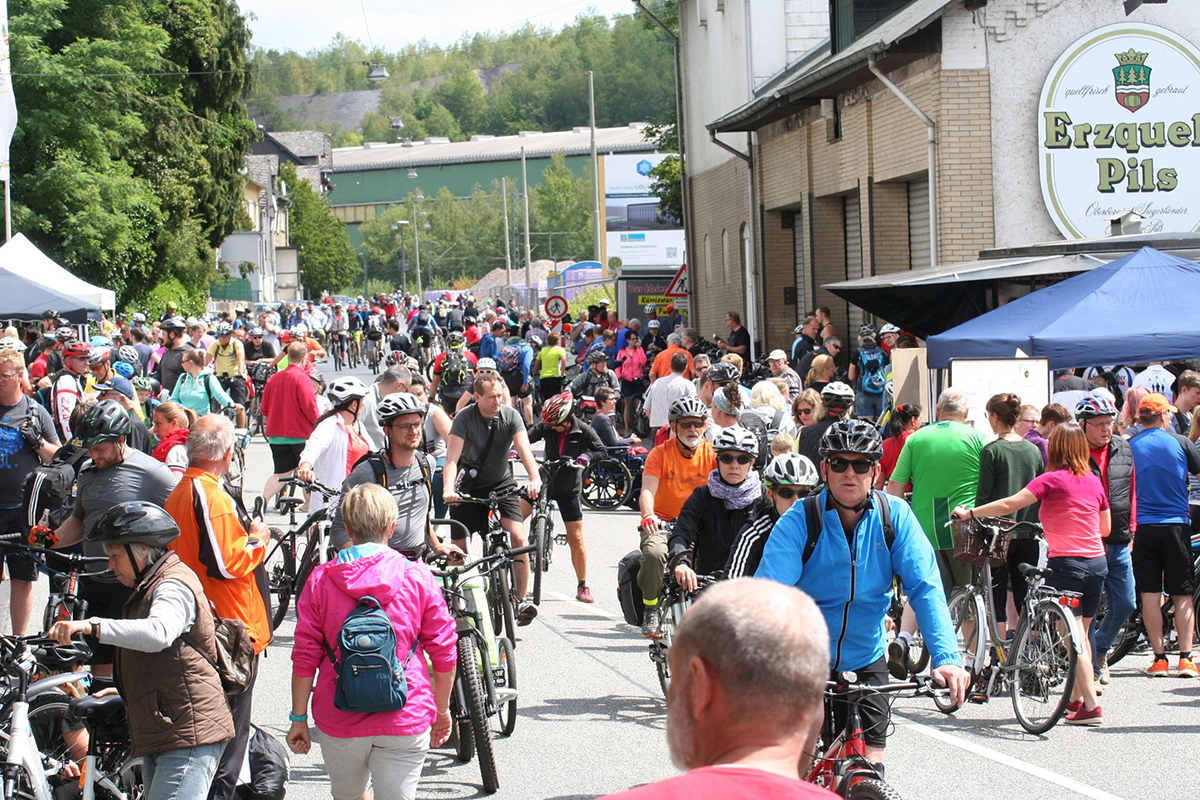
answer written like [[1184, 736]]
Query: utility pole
[[507, 245], [596, 233], [528, 259], [417, 247]]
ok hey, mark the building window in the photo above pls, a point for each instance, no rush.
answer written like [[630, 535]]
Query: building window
[[707, 268], [354, 214], [725, 257]]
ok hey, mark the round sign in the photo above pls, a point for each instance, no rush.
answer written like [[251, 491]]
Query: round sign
[[1118, 130], [556, 306], [614, 263]]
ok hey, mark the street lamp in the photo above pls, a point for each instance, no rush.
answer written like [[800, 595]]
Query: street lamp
[[400, 225]]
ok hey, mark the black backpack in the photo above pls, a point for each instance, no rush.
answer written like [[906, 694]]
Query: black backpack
[[753, 423], [455, 369], [50, 490], [812, 516], [629, 594]]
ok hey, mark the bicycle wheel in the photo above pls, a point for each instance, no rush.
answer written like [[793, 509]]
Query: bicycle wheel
[[508, 600], [282, 577], [1131, 633], [464, 739], [468, 666], [237, 467], [48, 716], [872, 789], [506, 680], [967, 616], [538, 558], [660, 647], [606, 484], [1042, 666]]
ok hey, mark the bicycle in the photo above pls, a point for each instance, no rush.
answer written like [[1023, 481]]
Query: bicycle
[[1133, 638], [371, 350], [502, 592], [287, 576], [1037, 666], [259, 373], [241, 437], [840, 764], [64, 602], [541, 525], [674, 602]]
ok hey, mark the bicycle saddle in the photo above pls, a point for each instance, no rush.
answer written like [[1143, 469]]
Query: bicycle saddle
[[1030, 569], [109, 709], [288, 503]]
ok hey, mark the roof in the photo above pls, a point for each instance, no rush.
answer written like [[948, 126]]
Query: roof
[[260, 169], [990, 269], [437, 150], [303, 144], [810, 75], [497, 279]]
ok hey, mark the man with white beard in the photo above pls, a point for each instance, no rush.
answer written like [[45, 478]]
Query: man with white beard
[[748, 667]]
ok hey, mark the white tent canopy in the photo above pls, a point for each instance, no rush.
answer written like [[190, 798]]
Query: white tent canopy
[[20, 257]]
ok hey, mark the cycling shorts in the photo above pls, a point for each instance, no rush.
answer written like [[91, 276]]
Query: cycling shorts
[[874, 709], [570, 507]]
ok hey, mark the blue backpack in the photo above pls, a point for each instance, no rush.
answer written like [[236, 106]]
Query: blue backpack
[[873, 362], [370, 678]]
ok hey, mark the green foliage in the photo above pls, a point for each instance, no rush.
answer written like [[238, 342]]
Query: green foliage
[[170, 290], [326, 259], [667, 178], [592, 297], [563, 202]]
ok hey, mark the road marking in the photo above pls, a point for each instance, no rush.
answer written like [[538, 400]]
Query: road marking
[[1009, 761], [587, 606]]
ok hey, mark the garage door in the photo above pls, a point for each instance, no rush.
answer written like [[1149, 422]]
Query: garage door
[[918, 223], [852, 218]]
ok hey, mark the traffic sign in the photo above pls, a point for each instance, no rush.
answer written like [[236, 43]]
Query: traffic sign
[[679, 284], [556, 306]]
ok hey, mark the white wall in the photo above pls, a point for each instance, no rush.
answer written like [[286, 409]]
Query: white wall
[[1023, 40]]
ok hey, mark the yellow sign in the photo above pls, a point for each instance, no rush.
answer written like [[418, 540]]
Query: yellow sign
[[657, 299]]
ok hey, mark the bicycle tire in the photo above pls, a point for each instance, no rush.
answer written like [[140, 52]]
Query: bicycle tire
[[965, 608], [282, 578], [872, 789], [1127, 638], [504, 579], [464, 740], [507, 668], [667, 630], [55, 707], [1042, 666], [607, 484], [468, 667], [538, 566]]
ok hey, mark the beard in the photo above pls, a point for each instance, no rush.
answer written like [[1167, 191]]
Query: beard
[[691, 438], [681, 741]]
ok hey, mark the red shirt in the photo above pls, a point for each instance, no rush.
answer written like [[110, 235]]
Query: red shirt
[[37, 369], [891, 454], [726, 783], [472, 333], [289, 402]]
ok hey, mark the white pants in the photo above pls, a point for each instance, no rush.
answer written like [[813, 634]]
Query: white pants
[[392, 763]]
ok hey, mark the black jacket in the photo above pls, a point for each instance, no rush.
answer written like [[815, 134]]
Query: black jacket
[[580, 440], [1119, 488], [705, 531]]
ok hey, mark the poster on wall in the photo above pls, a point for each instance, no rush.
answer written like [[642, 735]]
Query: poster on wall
[[636, 230], [1119, 130]]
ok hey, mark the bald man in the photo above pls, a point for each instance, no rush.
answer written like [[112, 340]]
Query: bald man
[[748, 668]]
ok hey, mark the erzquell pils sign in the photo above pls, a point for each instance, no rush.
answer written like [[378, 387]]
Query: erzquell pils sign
[[1119, 130]]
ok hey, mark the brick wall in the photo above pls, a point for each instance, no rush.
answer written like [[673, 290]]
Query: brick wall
[[966, 219], [720, 205], [890, 210]]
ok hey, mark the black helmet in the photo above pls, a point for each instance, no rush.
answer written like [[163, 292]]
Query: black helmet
[[50, 313], [135, 522], [852, 436], [106, 421], [722, 372], [173, 324]]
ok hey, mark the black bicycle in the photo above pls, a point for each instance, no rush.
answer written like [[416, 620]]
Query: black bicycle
[[674, 602], [541, 524], [287, 573], [502, 592]]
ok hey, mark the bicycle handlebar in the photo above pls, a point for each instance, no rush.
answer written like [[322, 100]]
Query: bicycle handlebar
[[447, 571], [493, 497], [848, 685], [313, 486], [6, 541]]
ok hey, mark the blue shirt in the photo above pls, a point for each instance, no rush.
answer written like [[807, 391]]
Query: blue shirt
[[1163, 461]]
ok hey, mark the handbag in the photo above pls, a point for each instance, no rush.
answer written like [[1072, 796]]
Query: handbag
[[235, 654]]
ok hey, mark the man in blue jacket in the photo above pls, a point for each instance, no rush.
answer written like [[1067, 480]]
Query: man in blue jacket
[[848, 571]]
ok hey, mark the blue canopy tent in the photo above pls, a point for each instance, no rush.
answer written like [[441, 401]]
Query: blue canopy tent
[[1142, 307]]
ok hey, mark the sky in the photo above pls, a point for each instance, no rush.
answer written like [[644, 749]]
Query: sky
[[304, 24]]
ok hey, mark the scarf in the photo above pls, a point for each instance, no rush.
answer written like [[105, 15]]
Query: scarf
[[735, 497], [177, 436]]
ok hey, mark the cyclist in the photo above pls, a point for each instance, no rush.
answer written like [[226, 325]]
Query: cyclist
[[227, 357], [673, 470], [853, 585], [424, 331], [838, 399], [354, 319], [452, 371], [67, 391], [257, 349], [710, 520], [789, 477], [597, 375], [338, 440], [339, 332], [567, 437], [516, 363], [170, 358], [45, 357]]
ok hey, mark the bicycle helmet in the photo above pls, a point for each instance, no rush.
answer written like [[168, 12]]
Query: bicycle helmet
[[655, 324], [791, 469], [64, 658], [98, 355], [596, 356], [126, 353], [721, 373], [455, 340], [686, 407], [50, 314], [398, 404], [558, 409], [125, 369], [65, 335], [835, 395], [173, 324], [135, 522], [299, 331], [738, 439], [469, 320], [1095, 405], [74, 348], [888, 328], [139, 318], [100, 341], [106, 421], [224, 329], [866, 331], [852, 436], [142, 383], [486, 365], [397, 357], [12, 343], [343, 390], [257, 331], [650, 308]]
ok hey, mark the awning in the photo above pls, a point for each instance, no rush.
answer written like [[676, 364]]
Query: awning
[[934, 299]]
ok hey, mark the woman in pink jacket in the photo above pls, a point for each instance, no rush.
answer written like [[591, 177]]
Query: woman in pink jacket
[[631, 369], [388, 747]]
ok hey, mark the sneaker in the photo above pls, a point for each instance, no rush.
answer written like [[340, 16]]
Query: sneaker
[[1105, 676], [1159, 669], [1098, 688], [1086, 716], [897, 659], [1074, 706], [650, 623], [526, 612], [584, 595], [1187, 669]]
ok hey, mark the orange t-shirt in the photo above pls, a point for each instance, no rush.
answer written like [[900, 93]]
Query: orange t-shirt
[[662, 362], [678, 476]]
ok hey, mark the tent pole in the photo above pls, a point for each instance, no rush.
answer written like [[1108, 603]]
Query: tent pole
[[7, 209]]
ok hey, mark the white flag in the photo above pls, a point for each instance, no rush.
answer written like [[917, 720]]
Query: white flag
[[8, 100]]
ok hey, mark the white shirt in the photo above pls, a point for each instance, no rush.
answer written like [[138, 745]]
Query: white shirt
[[1125, 376], [1157, 378], [664, 392]]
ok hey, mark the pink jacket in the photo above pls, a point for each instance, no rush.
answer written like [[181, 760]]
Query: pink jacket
[[412, 598], [631, 364]]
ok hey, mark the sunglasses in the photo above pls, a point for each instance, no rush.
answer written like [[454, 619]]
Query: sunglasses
[[729, 458], [804, 412], [839, 465], [691, 426], [788, 493]]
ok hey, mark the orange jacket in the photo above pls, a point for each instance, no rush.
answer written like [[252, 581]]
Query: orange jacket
[[214, 543]]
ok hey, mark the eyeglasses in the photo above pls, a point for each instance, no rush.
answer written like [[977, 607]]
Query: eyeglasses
[[6, 376], [691, 426], [839, 465], [405, 427], [729, 458], [804, 412], [1033, 421], [788, 493]]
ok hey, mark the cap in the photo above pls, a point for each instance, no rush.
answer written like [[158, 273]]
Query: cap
[[604, 301], [1155, 404], [116, 383], [777, 355]]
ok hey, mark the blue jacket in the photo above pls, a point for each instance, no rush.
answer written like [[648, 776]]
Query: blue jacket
[[854, 590], [487, 346]]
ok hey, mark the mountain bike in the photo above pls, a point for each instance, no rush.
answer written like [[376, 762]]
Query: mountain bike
[[259, 373], [502, 591], [371, 352], [675, 601], [241, 438], [541, 525], [64, 602], [840, 764], [287, 574], [1037, 666]]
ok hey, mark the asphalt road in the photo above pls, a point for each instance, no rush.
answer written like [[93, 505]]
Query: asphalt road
[[592, 719]]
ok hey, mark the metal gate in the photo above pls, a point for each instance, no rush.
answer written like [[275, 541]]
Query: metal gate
[[852, 219], [918, 223]]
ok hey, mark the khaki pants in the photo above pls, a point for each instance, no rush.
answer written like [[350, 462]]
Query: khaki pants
[[954, 573], [654, 563]]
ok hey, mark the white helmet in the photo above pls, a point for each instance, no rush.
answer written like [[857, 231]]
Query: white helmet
[[888, 328], [343, 390], [791, 469], [736, 438], [839, 394], [650, 308], [12, 343]]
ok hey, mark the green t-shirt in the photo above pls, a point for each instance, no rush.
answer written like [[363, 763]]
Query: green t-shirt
[[551, 360], [942, 461], [1005, 468]]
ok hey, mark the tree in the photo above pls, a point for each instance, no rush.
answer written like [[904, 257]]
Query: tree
[[667, 178], [563, 202], [326, 258]]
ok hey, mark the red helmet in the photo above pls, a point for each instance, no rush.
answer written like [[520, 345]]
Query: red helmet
[[76, 348], [558, 409]]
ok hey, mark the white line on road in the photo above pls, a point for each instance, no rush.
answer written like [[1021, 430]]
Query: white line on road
[[1009, 761], [586, 606]]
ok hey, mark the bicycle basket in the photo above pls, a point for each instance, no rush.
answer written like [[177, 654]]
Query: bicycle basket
[[970, 543]]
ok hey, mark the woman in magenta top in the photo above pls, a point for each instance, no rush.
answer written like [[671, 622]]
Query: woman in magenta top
[[1076, 518], [387, 747]]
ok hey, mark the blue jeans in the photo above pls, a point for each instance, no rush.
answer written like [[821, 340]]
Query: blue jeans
[[1121, 600], [184, 774]]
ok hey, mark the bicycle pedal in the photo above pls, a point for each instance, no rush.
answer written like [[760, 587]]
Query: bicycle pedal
[[978, 697], [560, 538]]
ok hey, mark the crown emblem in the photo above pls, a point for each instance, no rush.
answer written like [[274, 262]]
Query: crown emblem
[[1131, 58]]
